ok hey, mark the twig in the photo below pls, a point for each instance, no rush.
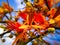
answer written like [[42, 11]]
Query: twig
[[15, 11], [57, 12], [7, 17], [47, 4], [37, 37], [33, 38], [40, 35], [5, 33], [7, 2], [57, 28], [10, 15], [3, 22]]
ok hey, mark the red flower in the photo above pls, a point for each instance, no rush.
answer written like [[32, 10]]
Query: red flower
[[14, 26], [38, 17], [23, 15]]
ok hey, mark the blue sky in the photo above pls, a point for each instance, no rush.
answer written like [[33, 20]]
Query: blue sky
[[16, 4]]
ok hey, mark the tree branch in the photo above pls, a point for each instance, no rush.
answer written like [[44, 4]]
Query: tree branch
[[57, 12], [1, 35], [33, 38], [57, 28], [47, 4], [3, 22], [40, 35], [37, 37], [7, 17], [7, 2]]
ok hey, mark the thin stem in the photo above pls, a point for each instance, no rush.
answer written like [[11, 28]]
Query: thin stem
[[47, 4], [57, 12], [10, 15], [7, 17], [5, 33], [36, 37], [57, 28], [33, 38], [7, 2], [3, 22]]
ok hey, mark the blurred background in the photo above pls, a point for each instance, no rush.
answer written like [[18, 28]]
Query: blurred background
[[53, 39]]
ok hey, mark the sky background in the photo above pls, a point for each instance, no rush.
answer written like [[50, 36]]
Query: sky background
[[16, 4]]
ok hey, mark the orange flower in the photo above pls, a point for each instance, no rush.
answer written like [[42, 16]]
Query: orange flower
[[50, 3], [51, 12], [41, 2], [6, 7], [1, 10]]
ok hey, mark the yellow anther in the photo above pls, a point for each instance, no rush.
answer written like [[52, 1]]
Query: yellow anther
[[1, 10], [51, 21], [51, 29], [57, 18]]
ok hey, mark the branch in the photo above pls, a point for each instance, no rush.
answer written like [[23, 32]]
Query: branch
[[42, 35], [7, 17], [7, 2], [57, 28], [33, 38], [3, 22], [15, 11], [47, 4], [57, 12], [37, 37], [5, 33]]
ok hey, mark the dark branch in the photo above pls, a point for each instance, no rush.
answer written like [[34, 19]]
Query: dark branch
[[7, 17], [15, 11], [7, 2], [47, 4], [33, 38], [3, 22], [57, 28], [40, 35], [37, 37], [57, 12], [1, 35]]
